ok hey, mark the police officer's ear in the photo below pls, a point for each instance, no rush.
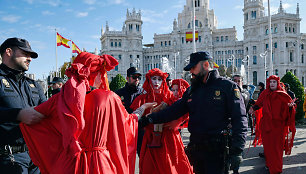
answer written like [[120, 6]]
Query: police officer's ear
[[8, 51], [205, 65]]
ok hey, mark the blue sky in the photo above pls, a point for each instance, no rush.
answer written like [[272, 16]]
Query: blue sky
[[81, 21]]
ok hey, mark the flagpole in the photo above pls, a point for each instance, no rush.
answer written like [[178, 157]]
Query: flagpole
[[193, 30], [56, 53]]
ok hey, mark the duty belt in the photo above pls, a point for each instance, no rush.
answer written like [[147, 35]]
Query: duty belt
[[11, 149]]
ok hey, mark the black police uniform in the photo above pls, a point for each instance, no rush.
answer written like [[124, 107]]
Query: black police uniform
[[210, 106], [128, 94], [16, 92]]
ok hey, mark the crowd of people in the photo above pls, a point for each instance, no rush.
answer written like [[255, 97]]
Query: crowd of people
[[86, 128]]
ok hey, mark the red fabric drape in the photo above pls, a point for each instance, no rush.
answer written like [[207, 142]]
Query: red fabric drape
[[82, 133], [182, 87], [170, 157], [277, 125]]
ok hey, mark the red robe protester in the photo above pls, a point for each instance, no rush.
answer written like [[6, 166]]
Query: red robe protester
[[170, 158], [84, 133], [277, 125], [182, 87]]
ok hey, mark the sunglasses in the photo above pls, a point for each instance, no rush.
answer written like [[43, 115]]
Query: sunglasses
[[136, 77]]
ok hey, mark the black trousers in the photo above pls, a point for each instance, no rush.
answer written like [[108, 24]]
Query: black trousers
[[21, 164], [208, 157]]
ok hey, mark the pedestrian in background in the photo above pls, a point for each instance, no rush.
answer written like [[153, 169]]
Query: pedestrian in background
[[56, 84], [212, 102], [18, 94]]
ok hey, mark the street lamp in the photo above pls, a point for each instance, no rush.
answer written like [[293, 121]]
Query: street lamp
[[246, 61], [175, 54], [232, 59], [264, 55]]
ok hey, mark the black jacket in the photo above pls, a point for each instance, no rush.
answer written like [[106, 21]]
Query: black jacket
[[16, 92], [210, 106], [128, 94]]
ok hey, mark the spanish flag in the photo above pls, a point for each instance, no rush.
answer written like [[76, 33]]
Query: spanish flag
[[189, 36], [216, 65], [60, 40], [75, 49]]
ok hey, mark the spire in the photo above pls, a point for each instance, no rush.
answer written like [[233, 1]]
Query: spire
[[298, 9], [127, 13], [107, 28], [174, 24], [102, 30], [280, 9]]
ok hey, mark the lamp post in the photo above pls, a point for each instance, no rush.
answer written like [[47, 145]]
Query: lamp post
[[232, 59], [175, 54], [264, 55], [270, 39], [246, 62]]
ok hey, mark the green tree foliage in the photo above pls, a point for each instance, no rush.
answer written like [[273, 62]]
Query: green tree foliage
[[117, 83], [298, 89]]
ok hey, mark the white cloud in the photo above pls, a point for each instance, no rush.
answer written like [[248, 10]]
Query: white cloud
[[167, 28], [29, 1], [118, 1], [10, 18], [82, 14], [238, 7], [179, 4], [47, 13], [286, 5], [95, 36], [90, 2]]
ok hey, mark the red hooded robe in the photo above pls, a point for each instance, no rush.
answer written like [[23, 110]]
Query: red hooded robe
[[170, 157], [84, 133], [182, 87], [277, 125]]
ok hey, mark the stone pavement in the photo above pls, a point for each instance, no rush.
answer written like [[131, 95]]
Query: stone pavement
[[253, 164]]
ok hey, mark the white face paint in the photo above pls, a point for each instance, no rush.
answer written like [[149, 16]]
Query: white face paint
[[273, 84], [156, 82]]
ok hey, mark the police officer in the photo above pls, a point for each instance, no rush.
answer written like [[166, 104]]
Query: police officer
[[18, 94], [212, 101], [131, 89], [57, 84]]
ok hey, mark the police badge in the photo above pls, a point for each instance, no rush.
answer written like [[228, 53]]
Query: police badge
[[237, 92], [6, 83], [32, 85], [217, 93]]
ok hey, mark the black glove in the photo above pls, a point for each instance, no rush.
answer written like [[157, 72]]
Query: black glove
[[144, 121], [235, 158]]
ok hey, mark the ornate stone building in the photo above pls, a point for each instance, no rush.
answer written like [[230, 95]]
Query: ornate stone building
[[175, 47]]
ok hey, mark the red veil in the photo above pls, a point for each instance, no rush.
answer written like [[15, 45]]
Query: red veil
[[84, 133], [170, 157], [183, 85], [277, 124]]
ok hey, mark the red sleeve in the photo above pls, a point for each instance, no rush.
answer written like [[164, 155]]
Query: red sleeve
[[47, 108]]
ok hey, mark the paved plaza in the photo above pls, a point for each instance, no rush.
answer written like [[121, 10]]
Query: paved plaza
[[253, 164]]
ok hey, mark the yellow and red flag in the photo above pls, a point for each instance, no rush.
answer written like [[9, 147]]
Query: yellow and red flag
[[75, 49], [189, 36], [216, 65], [60, 40]]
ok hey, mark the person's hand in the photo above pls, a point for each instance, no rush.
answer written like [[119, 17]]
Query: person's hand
[[160, 107], [29, 116], [235, 161], [292, 103], [251, 111], [148, 105]]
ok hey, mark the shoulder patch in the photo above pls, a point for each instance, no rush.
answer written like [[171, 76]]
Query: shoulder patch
[[6, 83], [237, 92]]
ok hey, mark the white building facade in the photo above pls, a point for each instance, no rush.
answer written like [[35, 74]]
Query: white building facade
[[175, 47]]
